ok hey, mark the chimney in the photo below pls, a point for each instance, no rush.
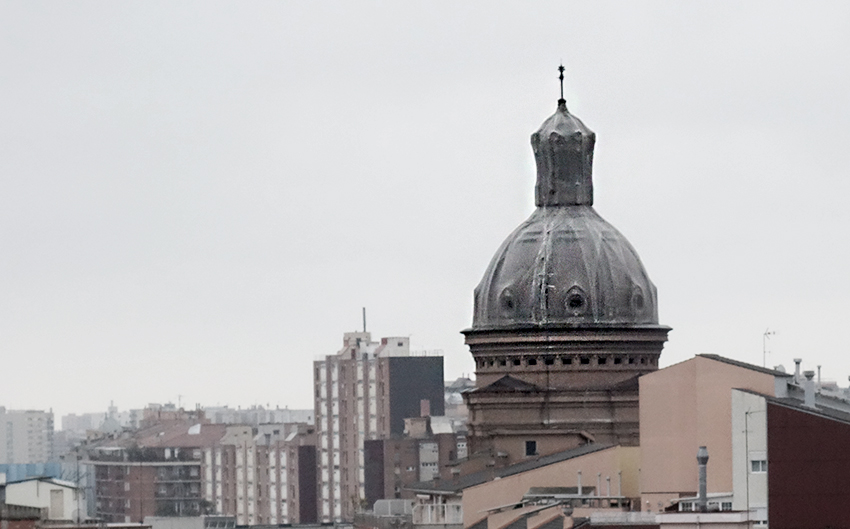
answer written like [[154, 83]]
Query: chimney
[[819, 386], [809, 387], [579, 480], [797, 362], [702, 460], [425, 408]]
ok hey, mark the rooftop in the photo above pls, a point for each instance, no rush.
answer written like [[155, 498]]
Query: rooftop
[[453, 486], [745, 365], [823, 411]]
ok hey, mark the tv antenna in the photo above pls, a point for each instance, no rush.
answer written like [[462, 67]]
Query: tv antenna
[[764, 352]]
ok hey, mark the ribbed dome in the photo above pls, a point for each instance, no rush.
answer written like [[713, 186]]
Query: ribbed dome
[[565, 264]]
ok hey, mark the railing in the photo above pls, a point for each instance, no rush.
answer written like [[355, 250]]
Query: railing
[[438, 514], [622, 517], [20, 512], [373, 521]]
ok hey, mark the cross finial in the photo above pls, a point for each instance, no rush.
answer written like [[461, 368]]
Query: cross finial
[[561, 101]]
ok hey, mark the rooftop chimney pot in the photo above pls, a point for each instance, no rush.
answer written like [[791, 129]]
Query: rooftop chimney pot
[[702, 460], [809, 388]]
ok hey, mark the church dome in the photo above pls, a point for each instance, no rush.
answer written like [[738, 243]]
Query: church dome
[[565, 265]]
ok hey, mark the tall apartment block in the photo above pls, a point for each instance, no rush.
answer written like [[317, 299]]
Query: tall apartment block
[[26, 436], [365, 392]]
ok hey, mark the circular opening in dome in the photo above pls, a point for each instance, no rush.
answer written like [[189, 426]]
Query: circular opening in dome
[[575, 302], [508, 303]]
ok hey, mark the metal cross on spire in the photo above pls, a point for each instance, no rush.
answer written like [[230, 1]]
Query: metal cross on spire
[[561, 101]]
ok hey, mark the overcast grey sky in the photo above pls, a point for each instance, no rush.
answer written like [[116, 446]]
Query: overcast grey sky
[[197, 198]]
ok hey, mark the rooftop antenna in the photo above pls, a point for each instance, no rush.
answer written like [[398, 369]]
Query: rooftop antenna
[[561, 101], [764, 352]]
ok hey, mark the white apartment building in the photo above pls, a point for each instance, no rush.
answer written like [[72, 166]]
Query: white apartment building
[[26, 436], [256, 415]]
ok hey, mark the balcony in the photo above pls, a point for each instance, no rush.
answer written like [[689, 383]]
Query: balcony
[[440, 514]]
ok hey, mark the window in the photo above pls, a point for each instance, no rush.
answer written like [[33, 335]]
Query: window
[[726, 506], [758, 466], [531, 448]]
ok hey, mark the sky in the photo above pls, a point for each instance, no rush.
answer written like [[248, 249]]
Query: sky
[[198, 198]]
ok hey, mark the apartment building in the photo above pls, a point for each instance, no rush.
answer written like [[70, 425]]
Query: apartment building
[[181, 465], [426, 452], [26, 436], [257, 415], [153, 472], [263, 476], [365, 392]]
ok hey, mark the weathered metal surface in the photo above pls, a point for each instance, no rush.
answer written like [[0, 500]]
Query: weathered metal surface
[[565, 264], [563, 149]]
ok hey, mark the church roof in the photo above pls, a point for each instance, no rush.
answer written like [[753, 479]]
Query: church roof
[[508, 383], [565, 264]]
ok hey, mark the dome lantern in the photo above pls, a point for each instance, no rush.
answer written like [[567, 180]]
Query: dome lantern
[[563, 149]]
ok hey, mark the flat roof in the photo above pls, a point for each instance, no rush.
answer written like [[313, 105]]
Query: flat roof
[[823, 411]]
